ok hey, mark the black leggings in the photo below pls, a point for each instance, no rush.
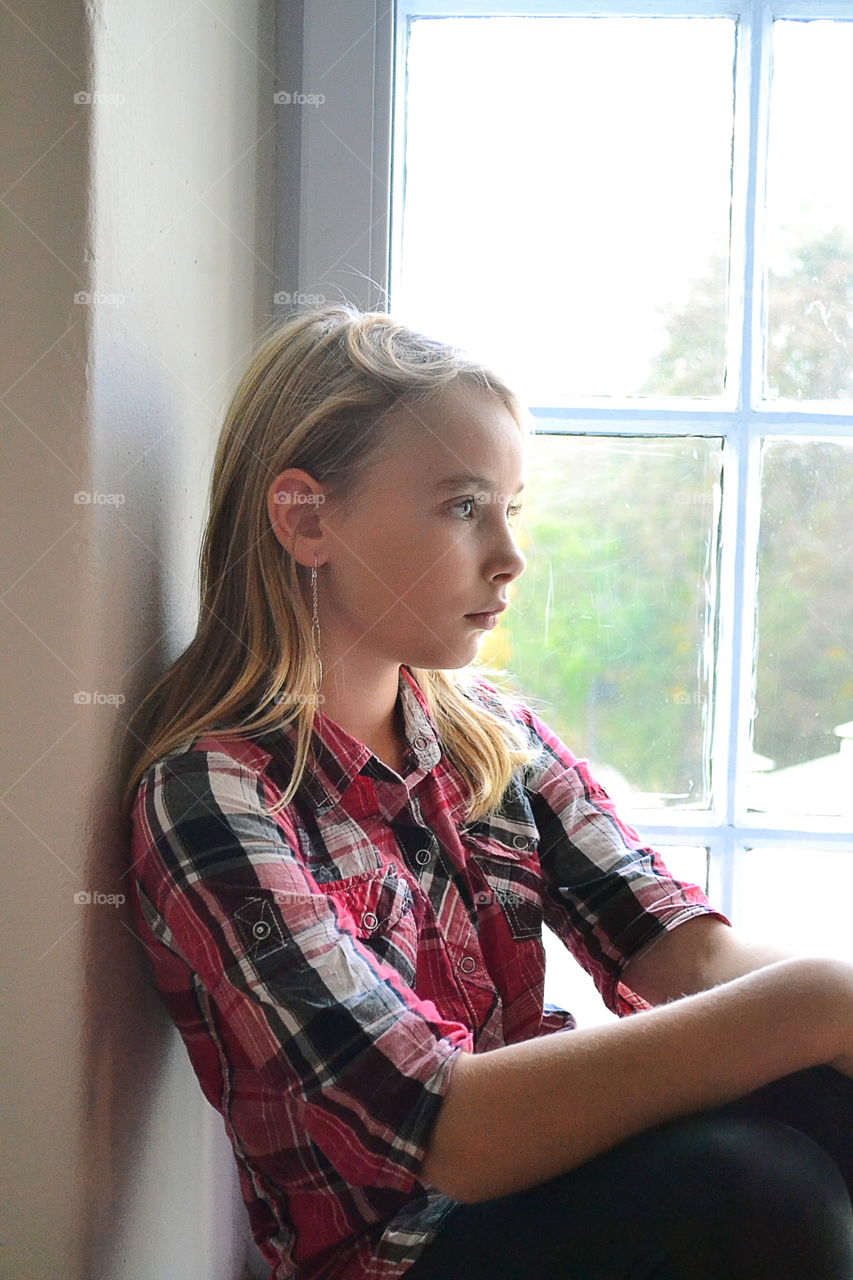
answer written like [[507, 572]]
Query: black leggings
[[759, 1189]]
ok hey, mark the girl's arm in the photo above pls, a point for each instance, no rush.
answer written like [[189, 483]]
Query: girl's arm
[[699, 954], [515, 1116]]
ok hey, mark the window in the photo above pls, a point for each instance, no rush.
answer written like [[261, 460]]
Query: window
[[641, 215]]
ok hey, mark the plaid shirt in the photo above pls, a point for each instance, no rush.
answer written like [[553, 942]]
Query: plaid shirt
[[324, 968]]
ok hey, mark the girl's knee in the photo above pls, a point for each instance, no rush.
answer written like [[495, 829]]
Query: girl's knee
[[759, 1156], [766, 1200]]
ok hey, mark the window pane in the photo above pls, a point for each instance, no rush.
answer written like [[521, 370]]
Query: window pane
[[612, 620], [569, 985], [810, 213], [566, 200], [804, 679], [686, 863], [777, 899]]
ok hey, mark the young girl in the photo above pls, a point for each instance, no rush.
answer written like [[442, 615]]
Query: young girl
[[346, 838]]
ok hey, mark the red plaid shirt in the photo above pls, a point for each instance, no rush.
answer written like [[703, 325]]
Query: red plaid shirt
[[324, 968]]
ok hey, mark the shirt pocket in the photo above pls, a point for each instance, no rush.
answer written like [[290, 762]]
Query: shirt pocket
[[504, 870], [378, 908], [272, 932]]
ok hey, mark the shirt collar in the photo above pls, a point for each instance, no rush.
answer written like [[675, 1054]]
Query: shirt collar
[[338, 756]]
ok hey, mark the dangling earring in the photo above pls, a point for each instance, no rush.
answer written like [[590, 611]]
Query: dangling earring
[[315, 631]]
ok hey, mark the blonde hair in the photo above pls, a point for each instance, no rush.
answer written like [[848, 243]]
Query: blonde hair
[[314, 396]]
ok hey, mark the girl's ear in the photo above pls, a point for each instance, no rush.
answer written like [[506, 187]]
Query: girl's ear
[[293, 501]]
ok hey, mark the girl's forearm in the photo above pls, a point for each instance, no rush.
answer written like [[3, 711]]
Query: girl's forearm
[[516, 1116]]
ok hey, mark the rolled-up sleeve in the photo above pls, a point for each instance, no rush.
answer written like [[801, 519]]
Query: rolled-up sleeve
[[607, 895], [360, 1062]]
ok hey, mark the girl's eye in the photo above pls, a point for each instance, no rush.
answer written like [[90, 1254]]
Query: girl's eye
[[464, 502], [512, 510]]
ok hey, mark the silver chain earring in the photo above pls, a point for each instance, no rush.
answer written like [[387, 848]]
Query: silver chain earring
[[315, 630]]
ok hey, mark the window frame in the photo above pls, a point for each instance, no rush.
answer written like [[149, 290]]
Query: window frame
[[354, 52]]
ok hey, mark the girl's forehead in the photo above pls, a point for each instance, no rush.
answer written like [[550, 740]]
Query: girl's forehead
[[459, 431]]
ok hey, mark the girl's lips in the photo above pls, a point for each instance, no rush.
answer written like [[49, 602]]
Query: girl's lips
[[485, 620]]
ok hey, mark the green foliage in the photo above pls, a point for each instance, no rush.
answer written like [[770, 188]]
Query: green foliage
[[810, 306], [693, 361], [804, 678], [809, 309], [609, 615]]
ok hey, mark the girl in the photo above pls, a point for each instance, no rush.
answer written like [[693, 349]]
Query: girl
[[347, 835]]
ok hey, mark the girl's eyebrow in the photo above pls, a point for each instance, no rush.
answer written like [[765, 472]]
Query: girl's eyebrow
[[456, 482]]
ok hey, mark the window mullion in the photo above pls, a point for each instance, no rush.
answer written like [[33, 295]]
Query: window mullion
[[568, 8], [721, 872], [742, 509], [750, 178], [740, 603]]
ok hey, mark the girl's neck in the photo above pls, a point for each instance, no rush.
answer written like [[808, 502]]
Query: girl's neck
[[371, 716]]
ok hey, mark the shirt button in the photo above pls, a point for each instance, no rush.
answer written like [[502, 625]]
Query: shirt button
[[519, 842], [369, 920], [420, 742], [260, 930], [423, 856], [468, 964]]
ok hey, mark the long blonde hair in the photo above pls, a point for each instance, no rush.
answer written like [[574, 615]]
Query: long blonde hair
[[314, 396]]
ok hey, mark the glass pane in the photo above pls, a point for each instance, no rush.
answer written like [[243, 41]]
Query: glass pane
[[774, 899], [569, 985], [804, 679], [810, 213], [565, 208], [611, 623], [686, 863]]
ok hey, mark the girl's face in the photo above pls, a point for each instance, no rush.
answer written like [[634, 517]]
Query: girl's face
[[417, 551]]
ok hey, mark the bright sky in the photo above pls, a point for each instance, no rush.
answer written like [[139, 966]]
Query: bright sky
[[810, 181], [567, 178]]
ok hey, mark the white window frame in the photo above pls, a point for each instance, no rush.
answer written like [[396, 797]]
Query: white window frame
[[336, 237]]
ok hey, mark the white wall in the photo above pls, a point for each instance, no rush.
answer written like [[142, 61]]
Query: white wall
[[114, 1165]]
